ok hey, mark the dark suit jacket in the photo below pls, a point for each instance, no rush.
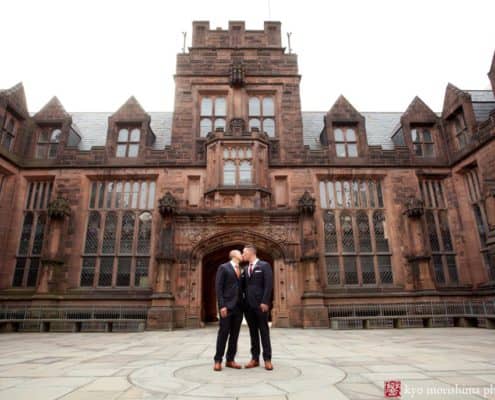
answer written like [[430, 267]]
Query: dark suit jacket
[[228, 287], [258, 288]]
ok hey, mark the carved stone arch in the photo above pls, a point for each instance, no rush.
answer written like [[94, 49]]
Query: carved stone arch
[[238, 236]]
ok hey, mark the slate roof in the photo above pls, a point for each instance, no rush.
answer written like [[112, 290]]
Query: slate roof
[[483, 102], [379, 127], [92, 127]]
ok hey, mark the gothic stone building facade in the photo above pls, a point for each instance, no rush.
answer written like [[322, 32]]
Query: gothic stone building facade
[[393, 213]]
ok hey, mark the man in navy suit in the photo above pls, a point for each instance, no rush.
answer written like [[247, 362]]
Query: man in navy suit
[[228, 286], [258, 287]]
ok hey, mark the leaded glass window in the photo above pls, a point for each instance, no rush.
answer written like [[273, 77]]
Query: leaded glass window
[[472, 184], [119, 234], [437, 226], [33, 232], [356, 242]]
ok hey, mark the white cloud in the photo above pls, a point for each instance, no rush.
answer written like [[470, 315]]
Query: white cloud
[[94, 54]]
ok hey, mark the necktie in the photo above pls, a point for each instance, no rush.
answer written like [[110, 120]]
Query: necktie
[[250, 269], [236, 270]]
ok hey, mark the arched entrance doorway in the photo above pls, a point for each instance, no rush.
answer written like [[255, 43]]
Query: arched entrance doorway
[[210, 263]]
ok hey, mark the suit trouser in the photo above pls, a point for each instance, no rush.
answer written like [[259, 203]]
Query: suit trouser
[[229, 327], [258, 326]]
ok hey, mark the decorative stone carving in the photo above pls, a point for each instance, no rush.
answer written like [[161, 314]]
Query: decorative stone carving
[[237, 75], [167, 205], [237, 126], [414, 207], [59, 208], [279, 234], [306, 204]]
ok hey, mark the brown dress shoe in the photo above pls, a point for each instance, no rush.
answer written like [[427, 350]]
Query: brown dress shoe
[[268, 365], [232, 364], [217, 366], [252, 364]]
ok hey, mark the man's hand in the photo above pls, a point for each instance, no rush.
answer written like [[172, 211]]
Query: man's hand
[[264, 307], [223, 312]]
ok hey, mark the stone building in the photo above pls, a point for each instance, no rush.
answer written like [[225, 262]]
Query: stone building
[[368, 219]]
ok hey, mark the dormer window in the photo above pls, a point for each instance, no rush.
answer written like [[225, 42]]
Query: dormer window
[[128, 142], [345, 141], [237, 166], [262, 114], [213, 112], [460, 130], [8, 131], [48, 140], [422, 140]]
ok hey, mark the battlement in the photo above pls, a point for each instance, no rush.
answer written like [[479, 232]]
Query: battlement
[[236, 36]]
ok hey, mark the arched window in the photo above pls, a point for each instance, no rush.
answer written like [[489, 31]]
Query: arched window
[[109, 234], [347, 232], [127, 233], [212, 114], [92, 233], [364, 232], [445, 231], [261, 114], [229, 173], [27, 228], [38, 235], [206, 127], [431, 226], [330, 232], [379, 225], [245, 173], [144, 233]]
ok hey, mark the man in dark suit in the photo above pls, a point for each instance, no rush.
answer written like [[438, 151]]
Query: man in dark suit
[[258, 287], [228, 286]]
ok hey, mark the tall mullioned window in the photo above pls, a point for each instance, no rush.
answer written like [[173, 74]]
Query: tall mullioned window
[[32, 234], [356, 244], [262, 114], [237, 166], [437, 226], [471, 179], [213, 112], [118, 235]]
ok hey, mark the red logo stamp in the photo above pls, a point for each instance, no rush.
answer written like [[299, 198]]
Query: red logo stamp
[[392, 389]]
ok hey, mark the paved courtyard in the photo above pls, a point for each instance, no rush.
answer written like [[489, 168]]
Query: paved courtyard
[[436, 363]]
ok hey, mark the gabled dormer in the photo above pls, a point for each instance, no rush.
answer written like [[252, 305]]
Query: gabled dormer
[[344, 131], [129, 132], [13, 116], [458, 114], [421, 130], [53, 131]]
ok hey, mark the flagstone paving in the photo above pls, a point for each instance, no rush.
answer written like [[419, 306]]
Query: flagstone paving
[[435, 363]]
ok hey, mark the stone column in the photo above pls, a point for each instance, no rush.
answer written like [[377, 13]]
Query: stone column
[[314, 311], [53, 271], [419, 274], [161, 313]]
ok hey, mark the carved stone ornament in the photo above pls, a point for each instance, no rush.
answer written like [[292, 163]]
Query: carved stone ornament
[[306, 204], [167, 205], [237, 75], [236, 126], [414, 207], [59, 208]]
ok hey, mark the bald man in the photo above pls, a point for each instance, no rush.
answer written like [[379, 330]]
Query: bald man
[[229, 297]]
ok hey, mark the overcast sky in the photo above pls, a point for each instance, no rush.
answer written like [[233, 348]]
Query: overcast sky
[[94, 54]]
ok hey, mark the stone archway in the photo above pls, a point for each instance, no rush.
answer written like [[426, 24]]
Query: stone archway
[[209, 265], [222, 242]]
